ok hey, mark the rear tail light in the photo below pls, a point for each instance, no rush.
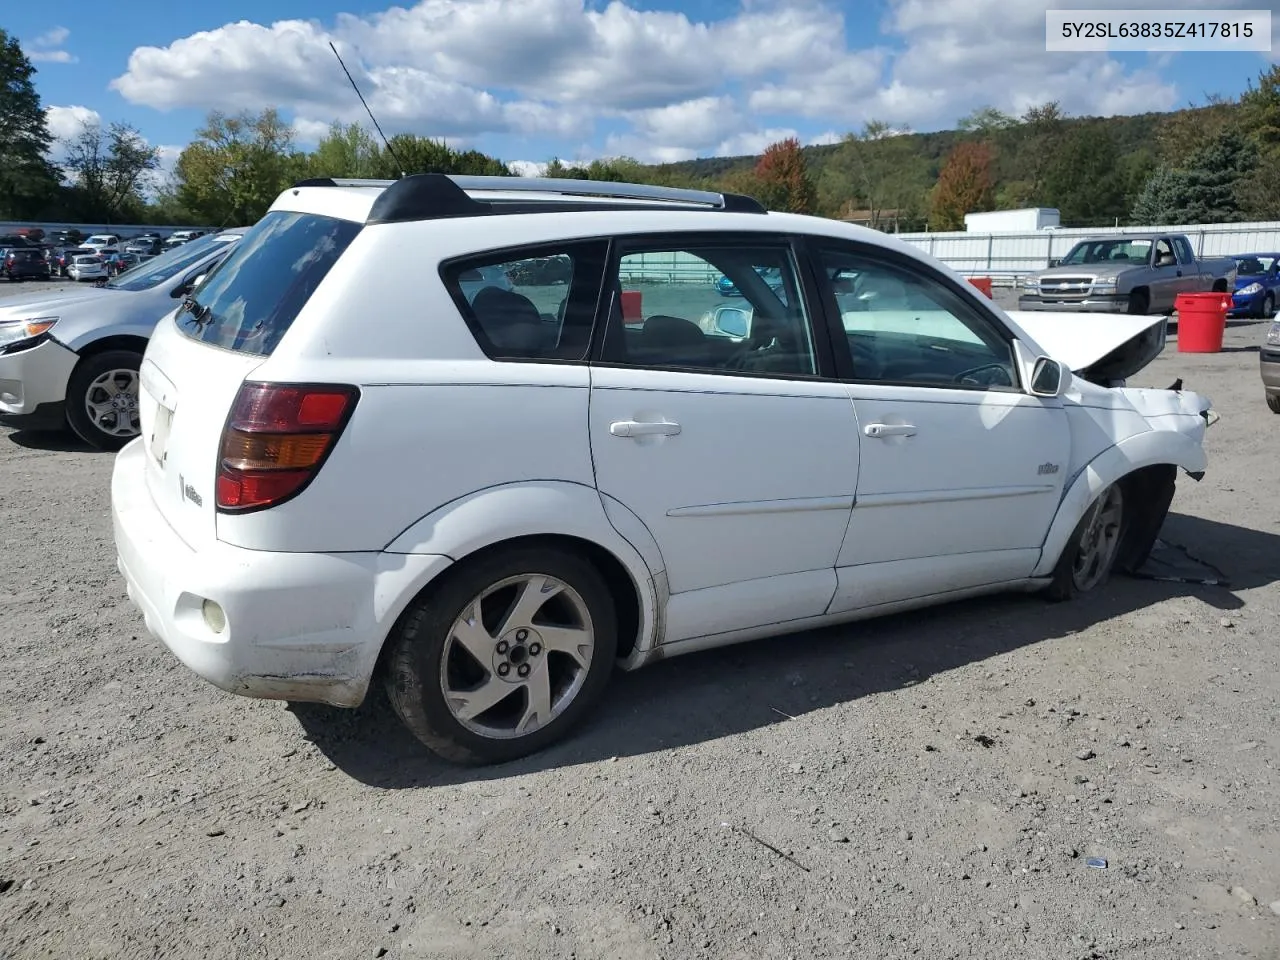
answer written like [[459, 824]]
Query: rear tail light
[[276, 439]]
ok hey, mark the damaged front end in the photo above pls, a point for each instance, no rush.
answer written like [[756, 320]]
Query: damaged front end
[[1103, 352]]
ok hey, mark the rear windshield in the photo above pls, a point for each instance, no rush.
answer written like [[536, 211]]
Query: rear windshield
[[248, 302]]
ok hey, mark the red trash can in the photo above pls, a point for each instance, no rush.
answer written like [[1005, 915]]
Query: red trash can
[[983, 284], [1202, 320], [632, 311]]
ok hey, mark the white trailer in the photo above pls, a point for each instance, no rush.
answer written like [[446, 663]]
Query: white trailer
[[1012, 221]]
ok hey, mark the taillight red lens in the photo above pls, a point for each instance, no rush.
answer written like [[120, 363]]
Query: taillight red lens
[[276, 439]]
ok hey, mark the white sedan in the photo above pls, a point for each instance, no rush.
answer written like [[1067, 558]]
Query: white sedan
[[88, 266]]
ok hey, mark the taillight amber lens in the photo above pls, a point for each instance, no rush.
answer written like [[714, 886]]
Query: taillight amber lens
[[276, 439]]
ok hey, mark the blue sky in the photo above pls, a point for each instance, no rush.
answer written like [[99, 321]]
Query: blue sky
[[530, 79]]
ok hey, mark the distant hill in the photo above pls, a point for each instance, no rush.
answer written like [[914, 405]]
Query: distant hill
[[1093, 169]]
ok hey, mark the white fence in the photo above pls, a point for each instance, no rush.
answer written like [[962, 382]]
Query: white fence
[[1006, 255]]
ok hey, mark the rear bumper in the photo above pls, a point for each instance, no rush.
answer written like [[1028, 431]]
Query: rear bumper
[[298, 626], [1116, 304], [35, 379]]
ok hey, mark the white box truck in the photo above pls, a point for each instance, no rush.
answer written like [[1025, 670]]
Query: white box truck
[[1012, 221]]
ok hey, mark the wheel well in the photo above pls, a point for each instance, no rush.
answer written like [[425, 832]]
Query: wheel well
[[1219, 286], [626, 597], [1150, 490], [1145, 291], [122, 342]]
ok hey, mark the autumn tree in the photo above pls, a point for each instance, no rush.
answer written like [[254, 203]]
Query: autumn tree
[[964, 186], [27, 179], [784, 178], [110, 168]]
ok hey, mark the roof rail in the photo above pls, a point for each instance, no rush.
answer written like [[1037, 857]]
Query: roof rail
[[430, 196]]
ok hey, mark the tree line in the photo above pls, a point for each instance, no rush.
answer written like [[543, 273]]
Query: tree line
[[1211, 163]]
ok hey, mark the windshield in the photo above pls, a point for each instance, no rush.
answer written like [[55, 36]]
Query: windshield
[[248, 302], [1253, 266], [169, 264], [1109, 251]]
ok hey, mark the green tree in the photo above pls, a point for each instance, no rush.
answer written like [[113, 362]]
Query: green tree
[[1084, 180], [1259, 110], [1043, 129], [1161, 199], [986, 121], [784, 178], [346, 151], [877, 168], [237, 166], [109, 169], [414, 154], [27, 180], [964, 186]]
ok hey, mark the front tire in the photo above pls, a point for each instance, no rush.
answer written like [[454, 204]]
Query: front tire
[[102, 399], [1268, 306], [1273, 402], [504, 656], [1090, 554]]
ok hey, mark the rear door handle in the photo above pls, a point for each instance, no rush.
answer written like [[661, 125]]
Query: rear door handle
[[633, 428], [879, 430]]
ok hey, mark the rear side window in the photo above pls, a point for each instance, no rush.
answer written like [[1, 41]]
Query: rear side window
[[248, 302], [530, 304]]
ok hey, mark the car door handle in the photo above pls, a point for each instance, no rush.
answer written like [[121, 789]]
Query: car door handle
[[881, 430], [633, 428]]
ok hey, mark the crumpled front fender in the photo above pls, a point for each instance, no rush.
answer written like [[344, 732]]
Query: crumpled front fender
[[1161, 445]]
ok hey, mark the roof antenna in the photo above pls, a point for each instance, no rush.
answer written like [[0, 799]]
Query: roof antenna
[[367, 110]]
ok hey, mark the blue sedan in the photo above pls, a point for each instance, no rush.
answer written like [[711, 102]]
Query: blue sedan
[[1257, 285]]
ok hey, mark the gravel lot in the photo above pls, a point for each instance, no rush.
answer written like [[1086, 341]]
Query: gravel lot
[[928, 785]]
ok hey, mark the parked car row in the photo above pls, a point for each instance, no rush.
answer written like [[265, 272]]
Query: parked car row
[[72, 359], [63, 257]]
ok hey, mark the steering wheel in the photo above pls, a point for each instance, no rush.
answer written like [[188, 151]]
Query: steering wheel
[[987, 375]]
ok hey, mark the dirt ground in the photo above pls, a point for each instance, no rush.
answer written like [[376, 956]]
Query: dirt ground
[[928, 786]]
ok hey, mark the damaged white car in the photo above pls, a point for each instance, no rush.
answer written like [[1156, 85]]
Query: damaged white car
[[490, 498]]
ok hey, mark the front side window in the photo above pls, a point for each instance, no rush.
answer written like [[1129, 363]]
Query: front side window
[[725, 309], [532, 304], [248, 302], [904, 327]]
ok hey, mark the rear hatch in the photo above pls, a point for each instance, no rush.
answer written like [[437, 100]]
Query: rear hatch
[[198, 358]]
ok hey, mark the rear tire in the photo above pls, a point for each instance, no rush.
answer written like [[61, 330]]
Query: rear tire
[[504, 656], [102, 399], [1273, 401], [1090, 555], [1139, 302]]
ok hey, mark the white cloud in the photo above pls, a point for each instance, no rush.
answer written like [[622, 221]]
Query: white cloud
[[67, 122], [528, 168], [47, 48], [552, 69]]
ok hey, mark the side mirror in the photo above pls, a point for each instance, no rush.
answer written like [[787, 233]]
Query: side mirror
[[1049, 378], [1055, 262], [733, 322]]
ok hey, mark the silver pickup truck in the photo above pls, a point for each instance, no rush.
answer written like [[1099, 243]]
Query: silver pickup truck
[[1134, 273]]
